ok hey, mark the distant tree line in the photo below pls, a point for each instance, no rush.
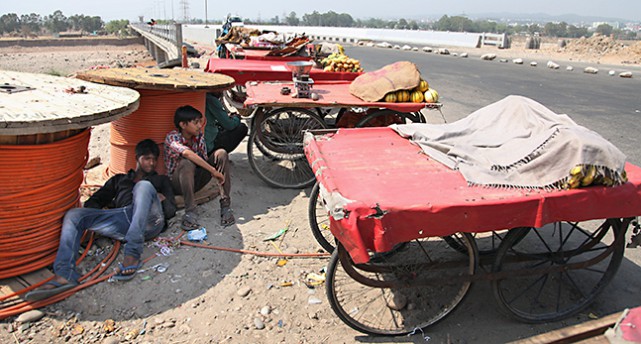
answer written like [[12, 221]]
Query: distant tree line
[[34, 24], [445, 23]]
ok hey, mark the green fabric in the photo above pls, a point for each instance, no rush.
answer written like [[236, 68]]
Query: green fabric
[[217, 118]]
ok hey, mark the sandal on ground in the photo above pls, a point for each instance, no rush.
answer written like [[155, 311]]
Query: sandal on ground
[[122, 276], [227, 217], [40, 294], [189, 222]]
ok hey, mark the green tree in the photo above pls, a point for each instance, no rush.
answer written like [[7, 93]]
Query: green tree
[[9, 23], [604, 29], [413, 25], [30, 23], [402, 24], [117, 26], [292, 19], [556, 29], [56, 22]]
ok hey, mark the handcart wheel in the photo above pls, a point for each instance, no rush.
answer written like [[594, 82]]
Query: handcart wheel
[[487, 242], [411, 288], [275, 147], [319, 220], [387, 117], [569, 264]]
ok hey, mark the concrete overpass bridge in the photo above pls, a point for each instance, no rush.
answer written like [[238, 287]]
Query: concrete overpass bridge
[[163, 42]]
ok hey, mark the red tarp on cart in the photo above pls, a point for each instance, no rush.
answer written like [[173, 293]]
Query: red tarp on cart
[[331, 94], [256, 70], [383, 190]]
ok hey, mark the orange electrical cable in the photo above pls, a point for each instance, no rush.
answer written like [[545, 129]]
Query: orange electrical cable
[[153, 120], [38, 184]]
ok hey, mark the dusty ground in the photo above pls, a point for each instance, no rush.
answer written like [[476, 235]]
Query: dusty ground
[[202, 297]]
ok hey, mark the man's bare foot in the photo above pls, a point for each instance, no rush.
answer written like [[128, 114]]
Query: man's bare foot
[[127, 269], [56, 286], [58, 279]]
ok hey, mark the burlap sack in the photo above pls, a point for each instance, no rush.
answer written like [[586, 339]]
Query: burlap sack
[[373, 86]]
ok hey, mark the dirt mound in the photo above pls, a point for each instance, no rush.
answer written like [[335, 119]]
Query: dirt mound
[[595, 45]]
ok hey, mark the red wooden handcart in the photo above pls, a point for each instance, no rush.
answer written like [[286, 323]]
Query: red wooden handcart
[[405, 226]]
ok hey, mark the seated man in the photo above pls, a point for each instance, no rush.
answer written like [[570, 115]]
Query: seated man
[[191, 168], [222, 131], [143, 200]]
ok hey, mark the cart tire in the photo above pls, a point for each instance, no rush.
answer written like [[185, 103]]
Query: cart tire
[[400, 310], [486, 244], [275, 147], [319, 220], [553, 295]]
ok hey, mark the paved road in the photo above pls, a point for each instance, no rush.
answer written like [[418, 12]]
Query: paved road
[[608, 105]]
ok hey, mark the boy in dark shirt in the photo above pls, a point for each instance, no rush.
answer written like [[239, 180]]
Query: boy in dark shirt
[[141, 202]]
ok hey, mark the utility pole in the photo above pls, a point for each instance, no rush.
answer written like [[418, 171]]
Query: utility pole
[[184, 4], [206, 13]]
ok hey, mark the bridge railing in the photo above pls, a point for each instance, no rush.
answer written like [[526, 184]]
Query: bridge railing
[[166, 37]]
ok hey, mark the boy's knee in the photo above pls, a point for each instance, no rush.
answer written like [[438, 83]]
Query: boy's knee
[[144, 186], [186, 166]]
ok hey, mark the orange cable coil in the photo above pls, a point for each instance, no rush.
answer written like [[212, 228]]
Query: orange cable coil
[[153, 120], [38, 184]]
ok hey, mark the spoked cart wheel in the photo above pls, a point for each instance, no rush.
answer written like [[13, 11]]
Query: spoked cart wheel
[[486, 242], [557, 270], [275, 147], [414, 286], [319, 220]]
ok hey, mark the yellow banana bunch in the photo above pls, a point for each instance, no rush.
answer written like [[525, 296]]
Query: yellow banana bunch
[[586, 175]]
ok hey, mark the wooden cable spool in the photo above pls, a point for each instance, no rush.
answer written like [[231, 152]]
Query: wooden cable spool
[[43, 149]]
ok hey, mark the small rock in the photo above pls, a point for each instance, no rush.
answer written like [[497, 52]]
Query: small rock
[[111, 340], [398, 302], [259, 324], [184, 329], [24, 327], [158, 321], [534, 64], [265, 310], [313, 315], [30, 316], [463, 55], [244, 291], [553, 65], [518, 61], [590, 70], [503, 60], [569, 68], [443, 51], [314, 300], [625, 74], [612, 73], [488, 57], [291, 250]]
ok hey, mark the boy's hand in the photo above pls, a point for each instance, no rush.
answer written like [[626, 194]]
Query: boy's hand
[[161, 197], [219, 176]]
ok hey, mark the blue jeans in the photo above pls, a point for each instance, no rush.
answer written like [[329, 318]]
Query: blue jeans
[[133, 224]]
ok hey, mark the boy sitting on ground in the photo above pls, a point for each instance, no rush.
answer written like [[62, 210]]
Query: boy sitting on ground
[[143, 201], [191, 168]]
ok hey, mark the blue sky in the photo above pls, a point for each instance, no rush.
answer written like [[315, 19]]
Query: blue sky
[[217, 9]]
